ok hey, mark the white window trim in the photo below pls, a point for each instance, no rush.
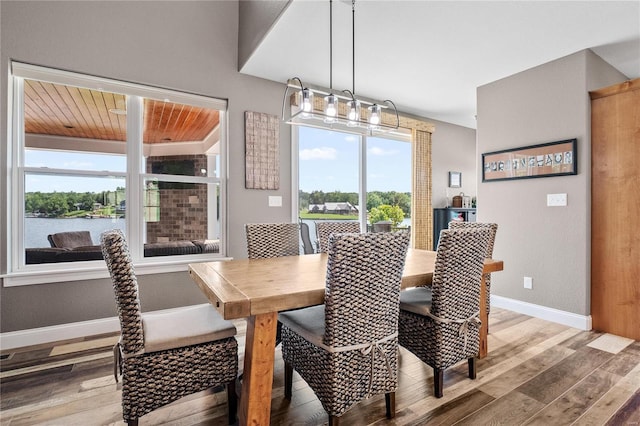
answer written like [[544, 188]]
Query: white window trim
[[21, 274], [362, 157]]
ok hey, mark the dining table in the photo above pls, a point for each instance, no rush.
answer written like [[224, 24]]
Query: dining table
[[257, 289]]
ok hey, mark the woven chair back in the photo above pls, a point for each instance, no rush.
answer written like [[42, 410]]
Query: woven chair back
[[492, 227], [266, 240], [324, 229], [458, 272], [362, 294], [125, 285]]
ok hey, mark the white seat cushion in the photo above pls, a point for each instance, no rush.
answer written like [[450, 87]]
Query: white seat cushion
[[183, 327], [307, 322], [416, 300]]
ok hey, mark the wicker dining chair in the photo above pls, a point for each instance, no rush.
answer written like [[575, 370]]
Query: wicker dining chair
[[324, 229], [493, 229], [266, 240], [163, 356], [346, 350], [440, 324], [307, 245]]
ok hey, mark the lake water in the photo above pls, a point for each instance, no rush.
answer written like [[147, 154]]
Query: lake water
[[38, 228]]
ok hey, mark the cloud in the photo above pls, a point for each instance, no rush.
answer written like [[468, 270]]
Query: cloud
[[78, 165], [382, 152], [322, 153]]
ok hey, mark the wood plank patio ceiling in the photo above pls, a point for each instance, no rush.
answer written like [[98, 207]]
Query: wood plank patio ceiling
[[59, 110]]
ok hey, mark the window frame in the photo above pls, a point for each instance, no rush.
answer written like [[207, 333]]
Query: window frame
[[362, 166], [20, 273]]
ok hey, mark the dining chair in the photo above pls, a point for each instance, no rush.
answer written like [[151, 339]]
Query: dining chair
[[440, 324], [266, 240], [346, 350], [307, 245], [493, 229], [324, 229], [163, 356]]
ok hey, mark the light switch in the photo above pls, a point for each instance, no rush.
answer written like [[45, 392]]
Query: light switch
[[556, 200], [275, 201]]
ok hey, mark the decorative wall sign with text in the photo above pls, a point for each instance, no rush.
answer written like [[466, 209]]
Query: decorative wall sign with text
[[262, 153], [544, 160]]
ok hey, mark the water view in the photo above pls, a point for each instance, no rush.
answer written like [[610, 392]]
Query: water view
[[37, 229]]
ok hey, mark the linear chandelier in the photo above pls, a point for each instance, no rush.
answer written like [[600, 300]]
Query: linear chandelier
[[311, 106]]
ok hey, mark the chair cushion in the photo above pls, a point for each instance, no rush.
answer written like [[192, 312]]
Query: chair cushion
[[416, 300], [307, 322], [70, 239], [183, 327]]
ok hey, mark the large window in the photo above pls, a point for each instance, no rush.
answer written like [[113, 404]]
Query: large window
[[89, 154], [348, 176]]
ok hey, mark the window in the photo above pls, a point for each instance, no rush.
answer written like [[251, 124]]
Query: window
[[90, 154], [338, 172]]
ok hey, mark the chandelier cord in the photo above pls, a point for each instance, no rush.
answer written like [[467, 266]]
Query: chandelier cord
[[331, 44], [353, 46]]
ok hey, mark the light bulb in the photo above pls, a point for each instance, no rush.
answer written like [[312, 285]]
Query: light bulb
[[330, 108], [353, 114], [307, 102], [374, 115]]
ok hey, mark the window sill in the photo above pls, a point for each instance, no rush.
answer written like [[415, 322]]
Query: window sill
[[90, 270]]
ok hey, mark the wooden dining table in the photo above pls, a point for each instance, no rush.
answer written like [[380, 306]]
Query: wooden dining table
[[257, 289]]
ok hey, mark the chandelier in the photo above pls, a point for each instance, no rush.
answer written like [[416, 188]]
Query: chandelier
[[317, 106]]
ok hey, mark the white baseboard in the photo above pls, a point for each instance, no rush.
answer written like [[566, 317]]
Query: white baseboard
[[570, 319], [54, 333], [36, 336]]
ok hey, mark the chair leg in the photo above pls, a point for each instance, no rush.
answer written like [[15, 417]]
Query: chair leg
[[132, 422], [472, 367], [438, 379], [288, 380], [390, 402], [232, 401], [334, 420]]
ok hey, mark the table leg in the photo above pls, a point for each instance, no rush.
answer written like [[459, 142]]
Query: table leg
[[257, 377], [484, 327]]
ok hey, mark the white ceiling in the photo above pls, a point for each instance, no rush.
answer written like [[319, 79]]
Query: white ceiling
[[430, 56]]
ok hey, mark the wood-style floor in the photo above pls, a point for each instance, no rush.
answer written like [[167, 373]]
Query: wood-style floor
[[537, 372]]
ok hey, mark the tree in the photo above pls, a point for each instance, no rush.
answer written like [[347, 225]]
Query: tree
[[373, 200], [386, 212]]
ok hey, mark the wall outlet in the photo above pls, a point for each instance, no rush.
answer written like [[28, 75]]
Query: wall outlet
[[556, 200], [528, 283]]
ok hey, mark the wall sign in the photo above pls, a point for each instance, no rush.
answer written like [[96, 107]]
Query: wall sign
[[534, 161]]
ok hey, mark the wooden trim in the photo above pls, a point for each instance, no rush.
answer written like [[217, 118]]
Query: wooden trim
[[615, 89]]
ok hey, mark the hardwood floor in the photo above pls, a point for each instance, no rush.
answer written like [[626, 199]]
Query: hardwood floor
[[537, 372]]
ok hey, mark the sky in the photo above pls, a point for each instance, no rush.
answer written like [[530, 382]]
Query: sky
[[328, 161], [75, 161]]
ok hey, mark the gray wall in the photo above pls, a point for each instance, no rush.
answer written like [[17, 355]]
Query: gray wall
[[187, 46], [453, 149], [551, 244]]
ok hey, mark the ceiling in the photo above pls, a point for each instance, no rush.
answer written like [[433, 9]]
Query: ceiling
[[430, 56], [73, 112]]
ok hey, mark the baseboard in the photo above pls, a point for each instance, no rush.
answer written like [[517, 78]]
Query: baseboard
[[580, 322], [54, 333], [37, 336]]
